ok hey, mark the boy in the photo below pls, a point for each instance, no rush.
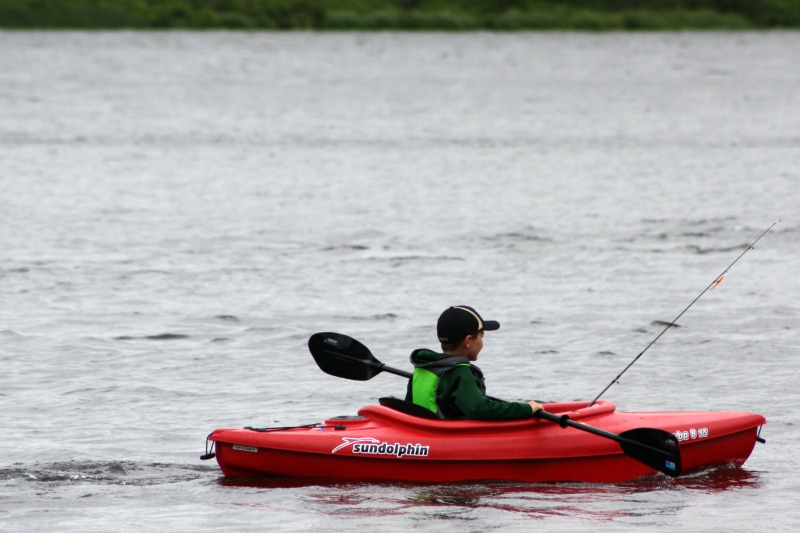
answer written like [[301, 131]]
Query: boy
[[448, 384]]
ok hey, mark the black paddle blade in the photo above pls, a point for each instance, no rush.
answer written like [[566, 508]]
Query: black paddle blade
[[343, 356], [656, 448]]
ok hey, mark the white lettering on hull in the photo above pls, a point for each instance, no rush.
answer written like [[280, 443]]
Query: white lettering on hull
[[372, 446], [691, 434]]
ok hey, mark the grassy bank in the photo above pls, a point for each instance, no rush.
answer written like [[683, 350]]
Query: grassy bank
[[597, 15]]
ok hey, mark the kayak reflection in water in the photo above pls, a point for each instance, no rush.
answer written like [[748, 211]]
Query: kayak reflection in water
[[448, 384]]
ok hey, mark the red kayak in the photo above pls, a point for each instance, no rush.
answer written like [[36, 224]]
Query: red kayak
[[383, 443]]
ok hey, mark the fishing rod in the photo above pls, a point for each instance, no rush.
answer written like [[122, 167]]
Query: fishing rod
[[713, 284]]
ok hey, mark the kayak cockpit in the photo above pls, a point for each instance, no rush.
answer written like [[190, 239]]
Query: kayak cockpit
[[393, 411]]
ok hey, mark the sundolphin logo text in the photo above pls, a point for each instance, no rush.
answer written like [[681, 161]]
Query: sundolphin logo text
[[372, 446]]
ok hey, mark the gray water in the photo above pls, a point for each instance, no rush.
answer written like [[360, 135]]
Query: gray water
[[179, 212]]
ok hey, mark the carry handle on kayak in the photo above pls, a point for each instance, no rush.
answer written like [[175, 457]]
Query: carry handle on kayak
[[342, 356]]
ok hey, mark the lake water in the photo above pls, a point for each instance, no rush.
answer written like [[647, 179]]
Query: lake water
[[179, 212]]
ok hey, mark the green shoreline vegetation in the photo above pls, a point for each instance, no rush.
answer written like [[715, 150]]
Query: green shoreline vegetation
[[424, 15]]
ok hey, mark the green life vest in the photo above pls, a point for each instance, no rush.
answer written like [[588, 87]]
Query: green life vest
[[425, 381]]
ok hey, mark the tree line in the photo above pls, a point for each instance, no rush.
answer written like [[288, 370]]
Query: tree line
[[500, 15]]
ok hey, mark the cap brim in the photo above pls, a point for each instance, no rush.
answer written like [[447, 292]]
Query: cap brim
[[491, 325]]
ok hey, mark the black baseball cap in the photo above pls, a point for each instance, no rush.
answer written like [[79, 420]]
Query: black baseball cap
[[458, 321]]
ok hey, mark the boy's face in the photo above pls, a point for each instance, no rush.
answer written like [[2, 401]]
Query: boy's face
[[474, 345]]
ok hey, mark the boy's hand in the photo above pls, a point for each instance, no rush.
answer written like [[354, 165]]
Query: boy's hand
[[535, 406]]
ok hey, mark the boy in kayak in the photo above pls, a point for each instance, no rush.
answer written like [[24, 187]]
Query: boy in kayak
[[448, 384]]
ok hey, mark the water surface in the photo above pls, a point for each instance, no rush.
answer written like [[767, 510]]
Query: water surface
[[181, 211]]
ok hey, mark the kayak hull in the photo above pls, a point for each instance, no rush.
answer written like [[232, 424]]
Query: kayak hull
[[384, 444]]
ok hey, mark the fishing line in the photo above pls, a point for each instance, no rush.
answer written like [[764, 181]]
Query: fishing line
[[713, 284]]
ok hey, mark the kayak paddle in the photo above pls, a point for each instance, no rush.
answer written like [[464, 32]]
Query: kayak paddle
[[345, 357], [342, 356]]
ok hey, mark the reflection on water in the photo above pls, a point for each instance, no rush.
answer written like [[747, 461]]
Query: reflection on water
[[606, 502], [590, 501], [720, 479]]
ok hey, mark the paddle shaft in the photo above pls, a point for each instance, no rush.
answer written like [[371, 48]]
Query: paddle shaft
[[564, 421], [396, 371], [377, 365], [713, 284]]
